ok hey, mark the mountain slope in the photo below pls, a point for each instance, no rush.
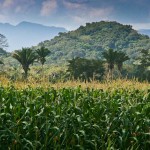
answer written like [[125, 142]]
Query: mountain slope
[[27, 34], [91, 40]]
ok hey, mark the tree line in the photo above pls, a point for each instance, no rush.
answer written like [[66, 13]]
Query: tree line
[[78, 67], [87, 69], [82, 68]]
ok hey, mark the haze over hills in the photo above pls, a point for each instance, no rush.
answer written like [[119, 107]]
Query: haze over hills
[[27, 34], [91, 40], [145, 31]]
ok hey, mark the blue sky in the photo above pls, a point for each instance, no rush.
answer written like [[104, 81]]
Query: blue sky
[[73, 13]]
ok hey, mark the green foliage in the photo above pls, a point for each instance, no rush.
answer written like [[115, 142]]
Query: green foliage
[[120, 58], [110, 57], [142, 70], [74, 119], [114, 57], [91, 40], [86, 69], [25, 57], [42, 53]]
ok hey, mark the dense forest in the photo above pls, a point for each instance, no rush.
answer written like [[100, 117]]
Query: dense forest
[[91, 40]]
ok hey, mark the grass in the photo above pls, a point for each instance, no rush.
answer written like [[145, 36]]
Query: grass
[[45, 83]]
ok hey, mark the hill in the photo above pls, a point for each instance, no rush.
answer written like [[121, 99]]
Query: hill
[[91, 40], [27, 34]]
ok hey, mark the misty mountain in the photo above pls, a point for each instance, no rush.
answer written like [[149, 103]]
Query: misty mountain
[[27, 34], [145, 31]]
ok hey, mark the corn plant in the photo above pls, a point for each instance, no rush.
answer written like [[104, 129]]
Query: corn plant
[[74, 118]]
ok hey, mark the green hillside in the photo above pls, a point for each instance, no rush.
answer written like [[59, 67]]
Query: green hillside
[[89, 41]]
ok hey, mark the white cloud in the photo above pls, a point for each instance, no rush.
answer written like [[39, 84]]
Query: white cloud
[[2, 17], [18, 9], [48, 7], [11, 9], [82, 13], [92, 15], [8, 3], [100, 12], [15, 5], [70, 5]]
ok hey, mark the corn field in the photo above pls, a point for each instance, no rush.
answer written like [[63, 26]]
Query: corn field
[[74, 118]]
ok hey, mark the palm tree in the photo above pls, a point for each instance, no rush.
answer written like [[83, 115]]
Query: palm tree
[[110, 57], [121, 57], [42, 53], [25, 57]]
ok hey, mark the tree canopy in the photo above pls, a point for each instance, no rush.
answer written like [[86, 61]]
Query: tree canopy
[[91, 40], [41, 54], [85, 69]]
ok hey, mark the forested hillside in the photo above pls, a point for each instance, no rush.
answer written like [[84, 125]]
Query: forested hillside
[[89, 41]]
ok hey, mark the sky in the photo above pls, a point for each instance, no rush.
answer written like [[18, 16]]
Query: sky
[[73, 13]]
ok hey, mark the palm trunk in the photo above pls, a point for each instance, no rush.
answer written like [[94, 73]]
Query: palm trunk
[[25, 73], [111, 68], [42, 73], [119, 69]]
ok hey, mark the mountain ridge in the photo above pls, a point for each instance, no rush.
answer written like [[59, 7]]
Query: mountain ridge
[[27, 34]]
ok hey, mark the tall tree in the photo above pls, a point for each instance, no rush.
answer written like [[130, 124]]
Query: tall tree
[[42, 53], [110, 57], [86, 69], [25, 57], [143, 65], [120, 58]]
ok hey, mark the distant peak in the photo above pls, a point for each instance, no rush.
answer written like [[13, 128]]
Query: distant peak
[[30, 24], [25, 23], [6, 24]]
